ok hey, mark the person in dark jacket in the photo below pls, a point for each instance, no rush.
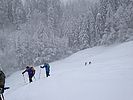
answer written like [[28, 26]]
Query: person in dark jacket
[[47, 69], [2, 82], [31, 72]]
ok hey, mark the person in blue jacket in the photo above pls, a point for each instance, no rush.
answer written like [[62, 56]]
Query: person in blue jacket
[[47, 69], [31, 72]]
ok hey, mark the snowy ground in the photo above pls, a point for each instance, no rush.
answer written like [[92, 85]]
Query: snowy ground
[[109, 77]]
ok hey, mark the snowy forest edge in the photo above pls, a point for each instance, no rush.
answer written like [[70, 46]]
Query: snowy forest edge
[[36, 31]]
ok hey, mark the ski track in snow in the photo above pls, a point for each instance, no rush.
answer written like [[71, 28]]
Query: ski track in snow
[[109, 77]]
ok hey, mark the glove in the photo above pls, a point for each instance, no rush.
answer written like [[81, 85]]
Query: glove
[[24, 71], [41, 66]]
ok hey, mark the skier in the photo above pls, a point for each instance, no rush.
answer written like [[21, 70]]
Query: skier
[[31, 72], [90, 62], [85, 63], [47, 68], [2, 83]]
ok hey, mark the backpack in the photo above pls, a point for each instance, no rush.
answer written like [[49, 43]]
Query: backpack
[[2, 78], [33, 70]]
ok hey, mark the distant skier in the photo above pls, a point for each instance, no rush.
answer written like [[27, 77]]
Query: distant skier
[[85, 63], [47, 69], [90, 62], [31, 72]]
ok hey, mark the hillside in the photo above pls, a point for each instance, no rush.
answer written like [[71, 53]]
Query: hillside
[[108, 77]]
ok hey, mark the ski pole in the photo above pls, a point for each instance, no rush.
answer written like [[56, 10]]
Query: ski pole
[[24, 79], [40, 74], [2, 96], [35, 78]]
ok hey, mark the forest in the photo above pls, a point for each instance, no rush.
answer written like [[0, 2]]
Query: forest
[[36, 31]]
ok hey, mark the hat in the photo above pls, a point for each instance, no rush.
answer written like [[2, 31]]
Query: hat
[[27, 67]]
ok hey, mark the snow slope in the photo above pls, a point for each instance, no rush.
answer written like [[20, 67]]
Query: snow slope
[[109, 77]]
